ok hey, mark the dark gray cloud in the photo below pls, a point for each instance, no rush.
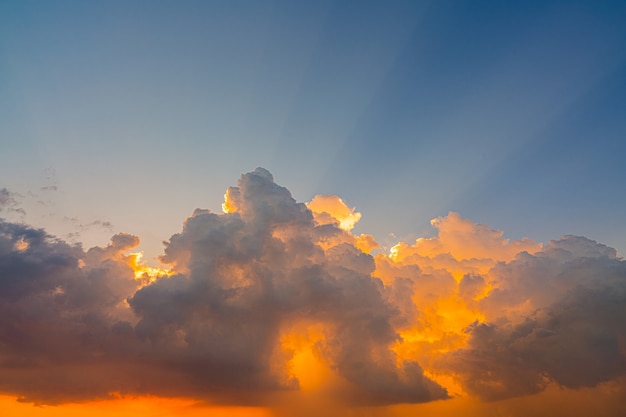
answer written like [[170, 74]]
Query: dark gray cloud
[[555, 317], [58, 312]]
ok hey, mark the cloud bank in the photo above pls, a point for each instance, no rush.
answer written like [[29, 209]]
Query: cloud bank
[[250, 291]]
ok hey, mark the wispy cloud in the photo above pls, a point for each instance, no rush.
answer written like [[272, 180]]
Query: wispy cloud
[[9, 202]]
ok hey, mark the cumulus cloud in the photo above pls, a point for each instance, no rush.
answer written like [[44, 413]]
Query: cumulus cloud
[[555, 316], [258, 269], [59, 307], [215, 327], [511, 318], [461, 247], [254, 290]]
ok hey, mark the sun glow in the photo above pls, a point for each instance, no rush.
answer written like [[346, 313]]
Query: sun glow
[[21, 245], [308, 367], [228, 206], [144, 272]]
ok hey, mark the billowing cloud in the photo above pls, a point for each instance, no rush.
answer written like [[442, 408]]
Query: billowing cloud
[[461, 247], [260, 297], [60, 312], [555, 316], [257, 270], [216, 327]]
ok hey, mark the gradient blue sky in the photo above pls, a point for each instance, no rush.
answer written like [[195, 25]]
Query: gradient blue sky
[[136, 112]]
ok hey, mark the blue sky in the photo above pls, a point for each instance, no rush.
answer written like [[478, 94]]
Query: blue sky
[[135, 113]]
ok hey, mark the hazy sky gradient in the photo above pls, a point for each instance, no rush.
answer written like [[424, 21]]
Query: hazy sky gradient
[[510, 113]]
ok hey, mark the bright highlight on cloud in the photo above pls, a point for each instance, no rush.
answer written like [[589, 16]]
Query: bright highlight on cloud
[[275, 296]]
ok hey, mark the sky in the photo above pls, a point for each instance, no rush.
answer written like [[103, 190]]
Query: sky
[[274, 208]]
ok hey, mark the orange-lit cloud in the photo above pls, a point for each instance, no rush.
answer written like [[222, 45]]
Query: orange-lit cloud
[[331, 209], [276, 303], [461, 247]]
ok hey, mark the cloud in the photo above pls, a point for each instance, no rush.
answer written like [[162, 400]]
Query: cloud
[[511, 318], [259, 269], [462, 246], [553, 317], [9, 203], [59, 311], [81, 227], [263, 296], [331, 209], [215, 328]]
